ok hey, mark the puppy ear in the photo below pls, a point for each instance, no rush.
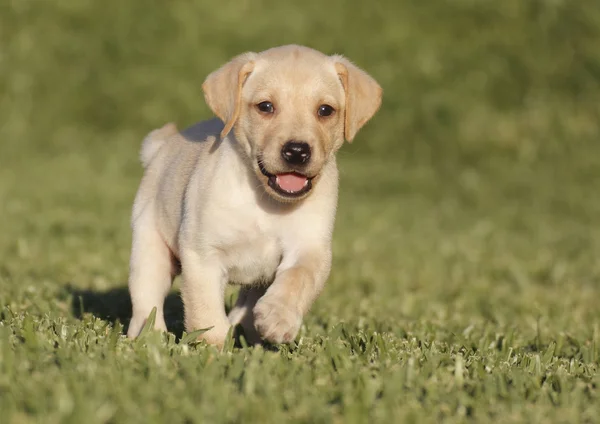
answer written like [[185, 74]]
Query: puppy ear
[[363, 96], [223, 89]]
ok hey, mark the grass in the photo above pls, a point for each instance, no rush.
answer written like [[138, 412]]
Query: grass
[[466, 271]]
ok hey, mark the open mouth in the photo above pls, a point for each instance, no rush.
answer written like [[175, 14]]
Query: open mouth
[[288, 184]]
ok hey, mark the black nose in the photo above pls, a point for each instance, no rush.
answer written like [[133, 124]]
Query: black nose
[[296, 152]]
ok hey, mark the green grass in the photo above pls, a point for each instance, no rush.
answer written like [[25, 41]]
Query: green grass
[[466, 276]]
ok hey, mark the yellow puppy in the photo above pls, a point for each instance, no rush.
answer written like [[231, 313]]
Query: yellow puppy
[[250, 197]]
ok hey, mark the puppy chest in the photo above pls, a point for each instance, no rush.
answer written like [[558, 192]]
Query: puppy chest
[[253, 261]]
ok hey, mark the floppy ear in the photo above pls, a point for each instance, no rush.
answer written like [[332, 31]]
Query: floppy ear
[[363, 96], [223, 89]]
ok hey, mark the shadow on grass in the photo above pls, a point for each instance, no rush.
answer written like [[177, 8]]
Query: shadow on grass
[[114, 306]]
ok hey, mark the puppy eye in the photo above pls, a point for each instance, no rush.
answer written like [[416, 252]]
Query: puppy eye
[[325, 110], [266, 107]]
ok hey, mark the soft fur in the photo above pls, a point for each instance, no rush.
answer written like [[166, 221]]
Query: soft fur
[[204, 207]]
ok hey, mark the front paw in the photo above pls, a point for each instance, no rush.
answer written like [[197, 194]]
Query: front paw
[[276, 321], [215, 335]]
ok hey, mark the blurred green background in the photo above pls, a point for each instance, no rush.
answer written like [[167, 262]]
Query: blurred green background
[[469, 205]]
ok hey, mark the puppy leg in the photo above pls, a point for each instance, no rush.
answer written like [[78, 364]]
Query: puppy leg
[[203, 294], [151, 274], [278, 314], [242, 312]]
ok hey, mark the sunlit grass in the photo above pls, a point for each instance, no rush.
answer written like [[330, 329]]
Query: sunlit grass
[[466, 251]]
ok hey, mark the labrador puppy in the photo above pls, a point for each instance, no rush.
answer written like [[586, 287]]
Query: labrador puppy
[[248, 198]]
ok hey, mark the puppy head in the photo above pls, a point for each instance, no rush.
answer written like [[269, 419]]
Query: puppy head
[[290, 109]]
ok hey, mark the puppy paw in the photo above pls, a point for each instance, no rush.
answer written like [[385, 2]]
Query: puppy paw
[[216, 335], [138, 321], [215, 338], [275, 321]]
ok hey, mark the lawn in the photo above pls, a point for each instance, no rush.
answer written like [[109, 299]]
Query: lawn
[[466, 276]]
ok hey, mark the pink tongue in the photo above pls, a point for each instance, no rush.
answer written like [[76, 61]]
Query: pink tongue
[[291, 182]]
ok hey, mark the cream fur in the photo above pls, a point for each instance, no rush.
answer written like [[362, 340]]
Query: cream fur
[[204, 204]]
